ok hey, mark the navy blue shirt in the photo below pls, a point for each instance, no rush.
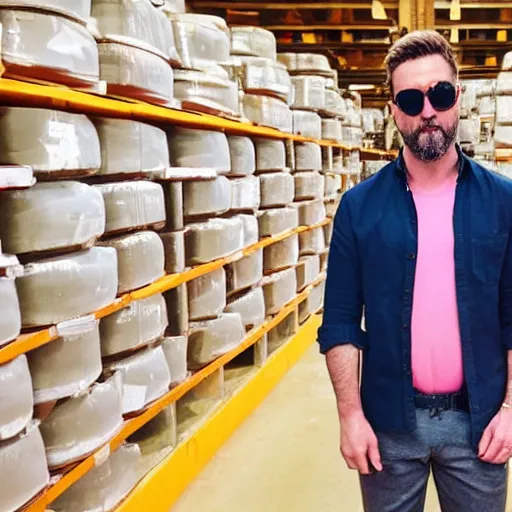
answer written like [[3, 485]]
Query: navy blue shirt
[[372, 264]]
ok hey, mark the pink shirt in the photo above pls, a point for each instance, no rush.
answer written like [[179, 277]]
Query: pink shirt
[[436, 347]]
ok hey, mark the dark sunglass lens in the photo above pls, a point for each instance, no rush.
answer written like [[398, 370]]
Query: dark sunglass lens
[[410, 101], [442, 96]]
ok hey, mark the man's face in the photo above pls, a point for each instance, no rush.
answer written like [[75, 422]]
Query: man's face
[[430, 134]]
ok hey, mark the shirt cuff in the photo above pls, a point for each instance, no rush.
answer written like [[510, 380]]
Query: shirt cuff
[[330, 336]]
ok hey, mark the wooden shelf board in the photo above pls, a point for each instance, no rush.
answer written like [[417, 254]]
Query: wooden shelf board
[[325, 27], [285, 6]]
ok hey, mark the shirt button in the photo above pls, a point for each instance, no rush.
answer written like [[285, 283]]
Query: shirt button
[[411, 256], [405, 326]]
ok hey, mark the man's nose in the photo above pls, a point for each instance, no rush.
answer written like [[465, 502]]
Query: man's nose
[[428, 110]]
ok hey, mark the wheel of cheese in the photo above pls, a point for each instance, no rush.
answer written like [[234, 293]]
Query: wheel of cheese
[[254, 41], [307, 124], [80, 9], [136, 73], [332, 184], [173, 193], [173, 6], [177, 310], [251, 229], [251, 308], [135, 22], [132, 205], [207, 295], [23, 469], [140, 259], [308, 269], [213, 239], [277, 220], [16, 397], [331, 207], [328, 229], [503, 116], [145, 377], [281, 255], [137, 325], [10, 315], [310, 212], [504, 83], [309, 185], [309, 92], [105, 486], [66, 366], [268, 111], [279, 289], [199, 148], [334, 103], [313, 302], [80, 425], [506, 64], [48, 289], [245, 194], [207, 198], [503, 136], [51, 216], [312, 241], [242, 154], [175, 350], [34, 54], [328, 159], [245, 272], [54, 143], [270, 155], [131, 147], [211, 339], [174, 248], [277, 189], [324, 257], [305, 62], [308, 157], [331, 130]]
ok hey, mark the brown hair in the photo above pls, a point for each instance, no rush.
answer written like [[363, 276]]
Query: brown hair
[[420, 43]]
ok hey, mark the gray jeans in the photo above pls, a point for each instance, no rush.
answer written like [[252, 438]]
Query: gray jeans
[[464, 483]]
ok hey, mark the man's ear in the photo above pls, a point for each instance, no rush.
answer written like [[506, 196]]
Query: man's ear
[[393, 108]]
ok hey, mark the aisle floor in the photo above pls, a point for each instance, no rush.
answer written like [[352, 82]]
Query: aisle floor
[[285, 456]]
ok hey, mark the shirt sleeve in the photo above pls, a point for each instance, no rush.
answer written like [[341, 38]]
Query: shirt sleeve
[[506, 294], [343, 301]]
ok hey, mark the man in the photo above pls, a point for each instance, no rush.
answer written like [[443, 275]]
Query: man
[[424, 247]]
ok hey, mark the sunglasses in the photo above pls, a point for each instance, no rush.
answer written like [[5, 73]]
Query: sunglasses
[[442, 97]]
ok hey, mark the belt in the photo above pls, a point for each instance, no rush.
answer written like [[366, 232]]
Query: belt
[[447, 402]]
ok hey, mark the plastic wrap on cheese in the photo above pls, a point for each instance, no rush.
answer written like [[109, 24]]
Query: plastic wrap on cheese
[[245, 272], [251, 229], [136, 73], [245, 194], [105, 486], [80, 425], [279, 289], [281, 255], [308, 157], [10, 315], [54, 143], [250, 306], [175, 351], [174, 249], [213, 239], [67, 365], [503, 116], [270, 155], [207, 198], [43, 46], [48, 289], [135, 22], [80, 9], [277, 220], [308, 269], [268, 111], [307, 124], [192, 148], [207, 295], [51, 216], [254, 41], [242, 154], [504, 83], [177, 310], [210, 339], [23, 469], [309, 185], [328, 229], [201, 40], [146, 377], [305, 62], [140, 323], [131, 147], [312, 241], [16, 397], [132, 205], [332, 184], [310, 212], [309, 92], [331, 130], [140, 259], [206, 92], [503, 136], [277, 189]]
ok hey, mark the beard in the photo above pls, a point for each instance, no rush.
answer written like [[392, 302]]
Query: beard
[[430, 146]]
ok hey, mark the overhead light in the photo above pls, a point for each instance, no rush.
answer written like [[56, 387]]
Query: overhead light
[[361, 87], [455, 13], [378, 11]]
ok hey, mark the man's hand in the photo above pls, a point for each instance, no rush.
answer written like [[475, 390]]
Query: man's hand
[[496, 444], [359, 443]]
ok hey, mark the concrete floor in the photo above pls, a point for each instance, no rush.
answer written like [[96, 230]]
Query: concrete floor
[[285, 456]]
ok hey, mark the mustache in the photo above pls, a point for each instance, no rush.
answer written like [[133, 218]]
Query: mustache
[[431, 123]]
